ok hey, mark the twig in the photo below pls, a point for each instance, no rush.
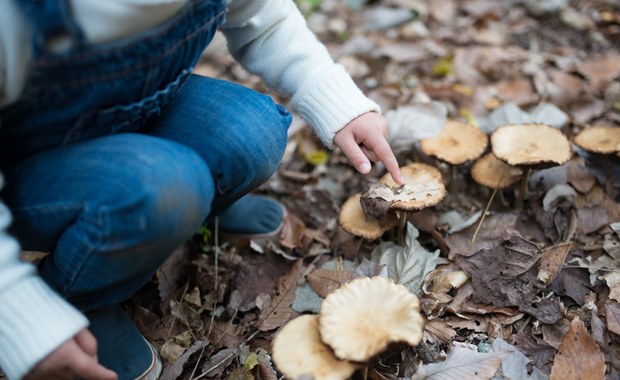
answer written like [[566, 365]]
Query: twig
[[484, 214]]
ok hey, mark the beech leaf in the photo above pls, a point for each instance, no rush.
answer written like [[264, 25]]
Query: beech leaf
[[578, 357]]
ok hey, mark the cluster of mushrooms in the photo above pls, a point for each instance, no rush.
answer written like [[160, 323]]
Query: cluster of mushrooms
[[516, 150], [356, 322], [362, 317]]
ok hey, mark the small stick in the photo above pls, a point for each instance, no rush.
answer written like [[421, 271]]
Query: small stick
[[484, 214]]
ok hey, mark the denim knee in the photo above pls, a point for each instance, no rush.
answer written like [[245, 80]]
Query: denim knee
[[164, 193], [154, 195], [240, 133]]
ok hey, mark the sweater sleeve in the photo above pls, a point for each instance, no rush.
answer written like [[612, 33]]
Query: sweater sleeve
[[270, 38], [34, 320]]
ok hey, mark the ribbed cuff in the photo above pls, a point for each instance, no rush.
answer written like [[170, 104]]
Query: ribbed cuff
[[330, 103], [34, 321]]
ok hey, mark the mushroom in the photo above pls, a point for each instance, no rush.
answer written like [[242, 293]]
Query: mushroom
[[298, 352], [493, 173], [457, 144], [353, 220], [530, 147], [423, 188], [362, 317], [600, 140]]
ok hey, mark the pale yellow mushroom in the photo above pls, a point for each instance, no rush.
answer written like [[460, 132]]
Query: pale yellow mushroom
[[298, 352], [457, 143], [362, 317]]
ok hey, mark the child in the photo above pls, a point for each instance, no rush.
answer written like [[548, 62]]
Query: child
[[113, 154]]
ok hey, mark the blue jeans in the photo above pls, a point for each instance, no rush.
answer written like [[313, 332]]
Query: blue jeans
[[116, 154]]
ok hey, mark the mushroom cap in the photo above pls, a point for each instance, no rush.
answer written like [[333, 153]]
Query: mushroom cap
[[496, 174], [298, 351], [597, 139], [362, 317], [423, 188], [410, 168], [353, 220], [456, 144], [535, 146]]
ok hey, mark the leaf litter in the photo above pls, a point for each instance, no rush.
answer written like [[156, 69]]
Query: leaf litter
[[535, 296]]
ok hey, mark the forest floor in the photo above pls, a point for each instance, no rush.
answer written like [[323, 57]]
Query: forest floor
[[215, 306]]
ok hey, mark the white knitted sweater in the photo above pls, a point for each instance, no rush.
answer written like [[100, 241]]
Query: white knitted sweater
[[268, 37]]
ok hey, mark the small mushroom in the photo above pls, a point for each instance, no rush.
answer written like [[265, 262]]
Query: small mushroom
[[299, 352], [353, 220], [530, 147], [493, 173], [457, 144], [362, 317], [423, 188], [600, 140]]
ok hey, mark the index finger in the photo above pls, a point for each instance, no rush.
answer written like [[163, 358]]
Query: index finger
[[384, 153]]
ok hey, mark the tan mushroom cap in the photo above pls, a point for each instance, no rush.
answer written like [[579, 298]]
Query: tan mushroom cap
[[496, 174], [603, 140], [299, 352], [423, 188], [536, 146], [456, 144], [353, 220], [409, 169], [362, 317]]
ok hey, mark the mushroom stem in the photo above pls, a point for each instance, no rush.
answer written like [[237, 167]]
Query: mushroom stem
[[607, 175], [453, 175], [402, 223], [523, 190], [484, 214]]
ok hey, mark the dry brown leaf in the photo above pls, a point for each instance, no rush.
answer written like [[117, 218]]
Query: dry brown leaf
[[438, 330], [612, 312], [551, 262], [325, 281], [578, 357], [613, 282], [601, 70], [279, 311]]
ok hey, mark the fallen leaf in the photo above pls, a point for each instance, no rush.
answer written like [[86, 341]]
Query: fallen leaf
[[551, 262], [613, 282], [409, 264], [174, 371], [439, 330], [505, 275], [515, 364], [325, 281], [578, 357], [408, 124], [464, 363], [279, 311], [612, 312], [601, 70]]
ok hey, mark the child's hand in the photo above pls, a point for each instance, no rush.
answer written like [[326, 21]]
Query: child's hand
[[363, 140]]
